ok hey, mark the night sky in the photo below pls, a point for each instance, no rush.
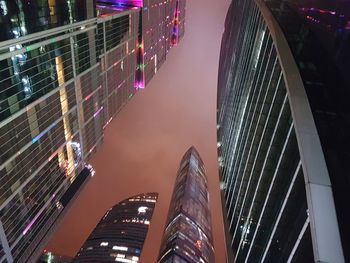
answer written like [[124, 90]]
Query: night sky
[[145, 142]]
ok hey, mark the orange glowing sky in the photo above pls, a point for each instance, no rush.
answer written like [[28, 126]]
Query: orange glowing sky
[[144, 144]]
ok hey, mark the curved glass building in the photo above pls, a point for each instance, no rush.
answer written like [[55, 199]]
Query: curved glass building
[[121, 233], [283, 125], [188, 236]]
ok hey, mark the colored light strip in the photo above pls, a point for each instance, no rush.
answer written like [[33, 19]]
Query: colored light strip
[[108, 122], [175, 33], [52, 156], [29, 226], [90, 151], [322, 11], [140, 73], [124, 3], [97, 112], [43, 133], [92, 93]]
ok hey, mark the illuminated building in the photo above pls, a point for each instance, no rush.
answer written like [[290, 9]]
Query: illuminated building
[[66, 69], [188, 236], [162, 26], [158, 19], [120, 235], [283, 125], [49, 257]]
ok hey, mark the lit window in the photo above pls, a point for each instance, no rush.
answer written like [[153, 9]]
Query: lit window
[[104, 244], [142, 209], [120, 248], [123, 260]]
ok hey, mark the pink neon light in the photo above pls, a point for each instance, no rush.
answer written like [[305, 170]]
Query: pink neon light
[[322, 11], [52, 156], [92, 93], [92, 149], [108, 122]]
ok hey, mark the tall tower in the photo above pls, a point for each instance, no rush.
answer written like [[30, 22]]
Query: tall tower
[[283, 116], [188, 236], [120, 234]]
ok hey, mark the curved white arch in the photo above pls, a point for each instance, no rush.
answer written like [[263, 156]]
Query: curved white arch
[[323, 220]]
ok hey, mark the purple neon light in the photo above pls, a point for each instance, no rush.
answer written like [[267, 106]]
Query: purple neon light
[[29, 226], [132, 3], [97, 112]]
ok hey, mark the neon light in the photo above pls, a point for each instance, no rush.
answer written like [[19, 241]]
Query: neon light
[[43, 133], [92, 149], [108, 122], [25, 231], [52, 156], [175, 34], [140, 74], [92, 93], [97, 112], [125, 3]]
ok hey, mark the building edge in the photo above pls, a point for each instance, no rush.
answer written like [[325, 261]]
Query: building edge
[[37, 251]]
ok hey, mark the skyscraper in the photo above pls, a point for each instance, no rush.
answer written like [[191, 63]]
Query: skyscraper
[[282, 118], [188, 236], [120, 234], [66, 69]]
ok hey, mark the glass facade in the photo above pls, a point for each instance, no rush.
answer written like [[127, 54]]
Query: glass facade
[[188, 236], [266, 172], [20, 18], [158, 19], [66, 69], [318, 33], [120, 234]]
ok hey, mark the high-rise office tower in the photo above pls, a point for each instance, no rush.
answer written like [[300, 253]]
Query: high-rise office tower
[[120, 234], [188, 236], [283, 125], [66, 69]]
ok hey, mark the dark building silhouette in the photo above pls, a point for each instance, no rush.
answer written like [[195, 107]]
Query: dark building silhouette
[[283, 123], [121, 233], [188, 235], [66, 69]]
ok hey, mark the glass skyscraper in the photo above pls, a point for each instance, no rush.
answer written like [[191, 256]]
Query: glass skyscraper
[[66, 69], [283, 125], [121, 233], [188, 235]]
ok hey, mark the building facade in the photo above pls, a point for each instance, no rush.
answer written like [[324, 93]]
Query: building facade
[[121, 233], [282, 118], [188, 235], [66, 69]]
